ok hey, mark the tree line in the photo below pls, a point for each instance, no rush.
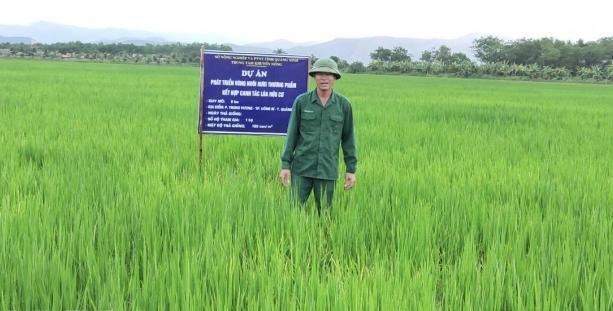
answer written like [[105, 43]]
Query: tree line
[[174, 53], [546, 58]]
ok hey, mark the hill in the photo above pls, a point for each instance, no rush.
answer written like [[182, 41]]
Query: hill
[[350, 49]]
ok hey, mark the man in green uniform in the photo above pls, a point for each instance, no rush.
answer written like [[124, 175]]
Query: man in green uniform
[[321, 121]]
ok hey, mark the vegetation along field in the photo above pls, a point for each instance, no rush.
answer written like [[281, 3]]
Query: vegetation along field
[[479, 194]]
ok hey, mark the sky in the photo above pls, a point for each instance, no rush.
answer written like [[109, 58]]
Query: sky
[[245, 21]]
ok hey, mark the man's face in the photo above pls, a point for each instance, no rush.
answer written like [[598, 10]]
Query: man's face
[[324, 80]]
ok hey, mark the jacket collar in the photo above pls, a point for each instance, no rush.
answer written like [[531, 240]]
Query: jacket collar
[[315, 99]]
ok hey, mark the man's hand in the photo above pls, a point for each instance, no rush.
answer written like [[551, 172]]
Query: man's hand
[[285, 177], [349, 181]]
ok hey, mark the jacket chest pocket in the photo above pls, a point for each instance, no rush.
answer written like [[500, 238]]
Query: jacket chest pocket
[[336, 122], [309, 121]]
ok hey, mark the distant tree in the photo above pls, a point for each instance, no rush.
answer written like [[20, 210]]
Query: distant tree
[[399, 54], [342, 64], [599, 52], [313, 59], [279, 51], [356, 67], [550, 54], [607, 48], [489, 49], [459, 58], [427, 56], [443, 55], [381, 54]]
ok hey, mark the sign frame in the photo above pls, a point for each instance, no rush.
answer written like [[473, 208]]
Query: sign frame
[[203, 90]]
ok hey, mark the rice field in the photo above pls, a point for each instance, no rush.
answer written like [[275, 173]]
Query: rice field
[[471, 194]]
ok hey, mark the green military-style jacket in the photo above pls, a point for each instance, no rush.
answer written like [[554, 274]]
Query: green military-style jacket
[[314, 135]]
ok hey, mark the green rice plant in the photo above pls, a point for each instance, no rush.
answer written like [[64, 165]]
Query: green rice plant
[[475, 194]]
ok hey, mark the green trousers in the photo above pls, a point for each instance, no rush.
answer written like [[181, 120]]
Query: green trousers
[[302, 186]]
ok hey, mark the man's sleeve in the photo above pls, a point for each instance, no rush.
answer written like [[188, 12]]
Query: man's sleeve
[[348, 142], [292, 136]]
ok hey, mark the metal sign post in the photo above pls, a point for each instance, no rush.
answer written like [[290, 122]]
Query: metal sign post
[[200, 104]]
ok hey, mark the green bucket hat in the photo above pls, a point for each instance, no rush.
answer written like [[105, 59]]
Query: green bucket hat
[[325, 65]]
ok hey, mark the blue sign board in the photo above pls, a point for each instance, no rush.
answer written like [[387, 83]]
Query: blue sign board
[[247, 93]]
